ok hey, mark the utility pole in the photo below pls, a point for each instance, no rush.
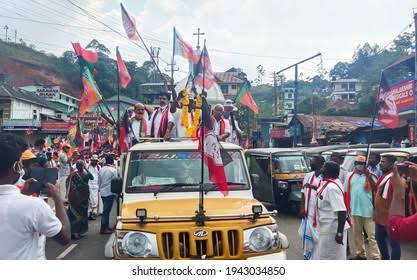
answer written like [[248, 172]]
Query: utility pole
[[155, 57], [6, 28], [15, 36], [296, 90], [155, 54], [275, 95], [172, 69], [198, 37]]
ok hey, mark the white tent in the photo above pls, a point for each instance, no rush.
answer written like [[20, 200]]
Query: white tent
[[214, 94]]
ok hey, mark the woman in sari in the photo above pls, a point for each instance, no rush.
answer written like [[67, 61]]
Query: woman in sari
[[78, 195]]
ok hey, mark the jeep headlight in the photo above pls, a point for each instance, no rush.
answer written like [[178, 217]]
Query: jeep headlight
[[261, 239], [282, 185], [137, 244]]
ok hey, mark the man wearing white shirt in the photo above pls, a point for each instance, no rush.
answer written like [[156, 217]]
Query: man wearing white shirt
[[93, 202], [138, 124], [221, 126], [162, 121], [331, 215], [23, 217], [308, 207]]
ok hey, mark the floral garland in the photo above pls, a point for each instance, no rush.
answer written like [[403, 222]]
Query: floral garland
[[192, 130], [185, 101]]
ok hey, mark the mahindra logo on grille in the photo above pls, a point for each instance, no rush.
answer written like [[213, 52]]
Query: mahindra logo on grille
[[200, 233]]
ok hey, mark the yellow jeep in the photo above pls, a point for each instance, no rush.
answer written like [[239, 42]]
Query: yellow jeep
[[166, 213]]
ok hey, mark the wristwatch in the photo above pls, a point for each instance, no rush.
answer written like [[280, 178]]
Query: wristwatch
[[339, 234]]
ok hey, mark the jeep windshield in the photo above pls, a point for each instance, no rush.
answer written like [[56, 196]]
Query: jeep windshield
[[178, 171], [289, 164]]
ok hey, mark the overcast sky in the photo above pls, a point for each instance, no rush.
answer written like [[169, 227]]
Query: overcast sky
[[273, 33]]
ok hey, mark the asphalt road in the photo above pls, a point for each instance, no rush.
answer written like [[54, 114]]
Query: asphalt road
[[91, 247]]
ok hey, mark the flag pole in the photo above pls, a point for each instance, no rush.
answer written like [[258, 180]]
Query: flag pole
[[368, 148], [200, 218], [118, 102]]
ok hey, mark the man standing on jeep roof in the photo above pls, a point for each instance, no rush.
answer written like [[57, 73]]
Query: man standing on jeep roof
[[162, 121]]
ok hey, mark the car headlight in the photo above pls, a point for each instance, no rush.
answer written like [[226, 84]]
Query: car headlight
[[261, 239], [137, 244], [283, 185]]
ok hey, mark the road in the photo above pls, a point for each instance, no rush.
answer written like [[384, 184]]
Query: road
[[91, 247]]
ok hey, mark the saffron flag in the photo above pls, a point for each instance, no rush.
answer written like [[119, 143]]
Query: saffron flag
[[86, 58], [212, 151], [387, 112], [129, 24], [91, 94], [124, 76], [183, 48], [204, 75], [244, 97], [79, 139]]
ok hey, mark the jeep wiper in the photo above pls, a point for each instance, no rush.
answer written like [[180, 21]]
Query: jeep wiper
[[170, 187], [214, 188]]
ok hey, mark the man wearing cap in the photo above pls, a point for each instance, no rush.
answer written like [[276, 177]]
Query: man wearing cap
[[64, 171], [359, 203], [229, 114], [93, 168]]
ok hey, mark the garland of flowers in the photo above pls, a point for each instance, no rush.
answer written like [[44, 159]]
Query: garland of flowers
[[192, 130], [185, 101]]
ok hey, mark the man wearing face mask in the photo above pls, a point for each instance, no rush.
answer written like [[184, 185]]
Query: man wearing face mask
[[26, 216], [359, 203]]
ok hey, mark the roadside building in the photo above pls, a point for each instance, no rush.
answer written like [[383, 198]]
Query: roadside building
[[66, 103], [345, 90], [230, 82], [288, 101], [27, 114], [329, 129]]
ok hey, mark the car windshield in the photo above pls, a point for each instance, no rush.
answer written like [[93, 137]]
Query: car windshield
[[290, 163], [178, 171]]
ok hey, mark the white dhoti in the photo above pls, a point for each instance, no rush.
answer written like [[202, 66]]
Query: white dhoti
[[94, 199], [328, 249], [62, 186], [308, 239]]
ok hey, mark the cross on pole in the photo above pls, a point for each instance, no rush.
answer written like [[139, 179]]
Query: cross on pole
[[198, 37]]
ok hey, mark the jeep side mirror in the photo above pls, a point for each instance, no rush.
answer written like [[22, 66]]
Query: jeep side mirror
[[116, 185], [254, 178]]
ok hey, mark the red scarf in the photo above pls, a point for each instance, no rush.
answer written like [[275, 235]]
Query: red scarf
[[307, 205], [383, 181], [319, 192], [349, 186], [164, 123], [222, 124]]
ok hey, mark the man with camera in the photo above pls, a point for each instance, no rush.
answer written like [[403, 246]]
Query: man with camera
[[24, 217]]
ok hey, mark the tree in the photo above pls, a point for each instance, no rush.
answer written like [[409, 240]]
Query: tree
[[100, 48], [340, 71]]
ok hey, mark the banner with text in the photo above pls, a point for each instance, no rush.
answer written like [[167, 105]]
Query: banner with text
[[401, 93]]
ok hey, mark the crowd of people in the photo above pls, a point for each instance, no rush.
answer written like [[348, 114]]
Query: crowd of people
[[60, 209], [367, 203]]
